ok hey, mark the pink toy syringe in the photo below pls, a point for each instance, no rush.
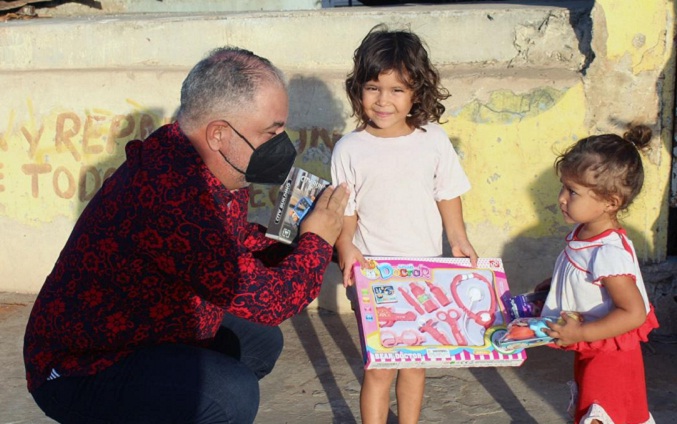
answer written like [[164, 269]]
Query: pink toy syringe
[[429, 327]]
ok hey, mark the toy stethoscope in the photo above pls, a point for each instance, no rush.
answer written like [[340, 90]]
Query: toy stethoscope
[[483, 318]]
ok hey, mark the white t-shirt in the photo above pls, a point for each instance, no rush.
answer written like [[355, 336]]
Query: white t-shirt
[[576, 282], [395, 184]]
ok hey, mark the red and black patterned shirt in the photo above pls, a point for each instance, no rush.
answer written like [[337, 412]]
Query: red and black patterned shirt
[[158, 256]]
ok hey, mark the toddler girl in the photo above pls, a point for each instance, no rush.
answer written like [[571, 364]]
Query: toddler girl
[[598, 276]]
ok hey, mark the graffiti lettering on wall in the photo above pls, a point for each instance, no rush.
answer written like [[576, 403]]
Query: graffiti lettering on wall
[[67, 156], [64, 182]]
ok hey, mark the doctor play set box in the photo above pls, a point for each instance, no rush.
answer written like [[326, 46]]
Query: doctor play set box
[[433, 313]]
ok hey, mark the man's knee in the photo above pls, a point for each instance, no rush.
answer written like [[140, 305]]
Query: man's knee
[[276, 342], [239, 407], [264, 363], [230, 395]]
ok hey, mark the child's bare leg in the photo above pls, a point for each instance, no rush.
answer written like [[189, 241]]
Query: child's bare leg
[[375, 396], [409, 389]]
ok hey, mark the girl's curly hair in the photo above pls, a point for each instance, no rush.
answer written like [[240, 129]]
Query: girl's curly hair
[[383, 50], [608, 164]]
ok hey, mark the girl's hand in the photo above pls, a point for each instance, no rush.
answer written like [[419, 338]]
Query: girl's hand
[[566, 333], [464, 249], [451, 212], [629, 313], [348, 256]]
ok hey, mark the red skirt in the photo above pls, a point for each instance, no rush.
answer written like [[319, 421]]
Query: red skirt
[[610, 373]]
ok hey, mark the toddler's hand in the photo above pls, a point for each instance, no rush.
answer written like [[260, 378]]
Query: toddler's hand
[[567, 330]]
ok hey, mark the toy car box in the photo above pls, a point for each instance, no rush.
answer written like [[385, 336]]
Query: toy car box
[[432, 313], [294, 199], [526, 305], [526, 332]]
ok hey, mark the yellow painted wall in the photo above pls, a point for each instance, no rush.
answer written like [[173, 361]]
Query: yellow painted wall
[[514, 154], [510, 141]]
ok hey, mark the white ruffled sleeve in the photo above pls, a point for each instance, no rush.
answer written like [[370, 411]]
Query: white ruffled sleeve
[[611, 261]]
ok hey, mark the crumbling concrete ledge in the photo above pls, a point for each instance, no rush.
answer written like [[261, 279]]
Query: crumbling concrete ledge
[[661, 285]]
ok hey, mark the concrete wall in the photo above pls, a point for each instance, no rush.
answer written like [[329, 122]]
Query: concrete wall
[[527, 80], [108, 7]]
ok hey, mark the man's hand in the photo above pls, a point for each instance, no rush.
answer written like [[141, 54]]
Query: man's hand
[[326, 217]]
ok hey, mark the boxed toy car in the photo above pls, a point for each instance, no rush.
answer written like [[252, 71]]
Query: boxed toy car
[[294, 199], [526, 305], [527, 332], [433, 313]]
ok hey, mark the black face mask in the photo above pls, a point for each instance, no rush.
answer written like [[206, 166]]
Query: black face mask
[[270, 163]]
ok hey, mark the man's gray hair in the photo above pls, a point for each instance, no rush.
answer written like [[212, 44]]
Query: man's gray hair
[[223, 83]]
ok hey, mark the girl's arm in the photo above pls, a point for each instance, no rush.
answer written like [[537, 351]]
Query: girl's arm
[[348, 254], [454, 226], [543, 285], [629, 313]]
